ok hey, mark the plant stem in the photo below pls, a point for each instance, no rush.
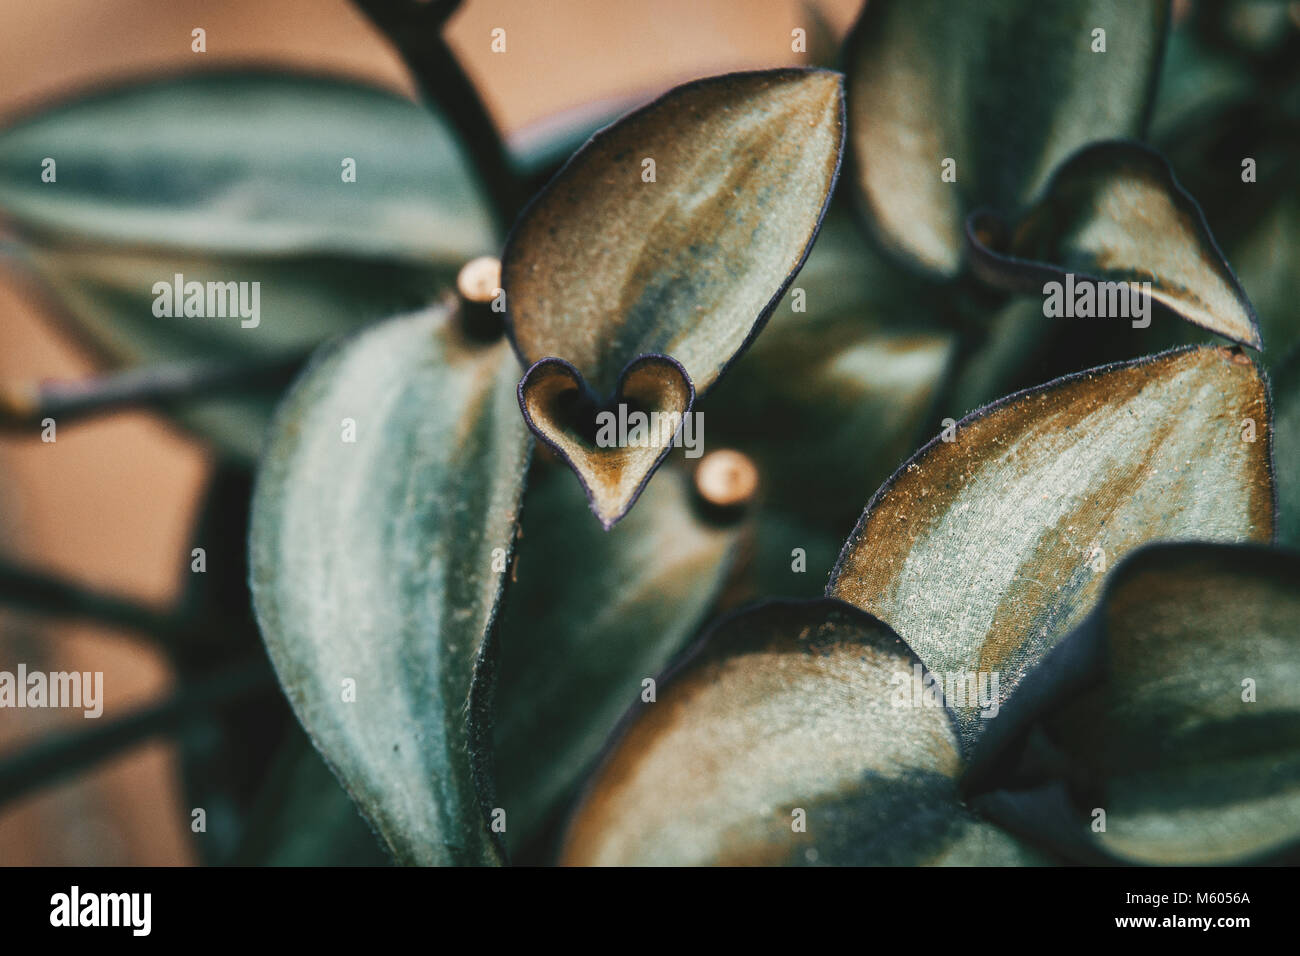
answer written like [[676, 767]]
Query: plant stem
[[415, 29], [24, 407], [67, 752], [174, 630], [56, 597]]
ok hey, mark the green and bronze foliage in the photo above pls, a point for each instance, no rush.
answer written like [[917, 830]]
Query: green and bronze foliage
[[485, 618]]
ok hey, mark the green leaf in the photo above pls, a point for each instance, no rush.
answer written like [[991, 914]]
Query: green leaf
[[792, 555], [1197, 83], [237, 176], [304, 818], [836, 390], [610, 265], [247, 163], [1005, 88], [781, 740], [1184, 725], [588, 618], [983, 551], [1114, 213], [379, 561], [1265, 260]]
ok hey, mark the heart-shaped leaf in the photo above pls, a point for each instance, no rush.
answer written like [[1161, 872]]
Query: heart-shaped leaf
[[673, 232], [652, 399], [383, 518], [1004, 89], [1183, 724], [1114, 213], [984, 550], [588, 618], [785, 739], [239, 177]]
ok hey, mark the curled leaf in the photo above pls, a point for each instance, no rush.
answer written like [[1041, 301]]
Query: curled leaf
[[1183, 724], [672, 233], [984, 550], [589, 617], [783, 740], [1004, 89], [1115, 214], [383, 516]]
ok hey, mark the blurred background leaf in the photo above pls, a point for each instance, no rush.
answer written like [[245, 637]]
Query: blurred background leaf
[[590, 615], [225, 757], [238, 176], [247, 163], [303, 817], [1006, 88], [1230, 91]]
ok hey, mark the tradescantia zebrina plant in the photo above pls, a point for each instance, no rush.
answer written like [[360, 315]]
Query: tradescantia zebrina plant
[[1058, 632], [618, 292]]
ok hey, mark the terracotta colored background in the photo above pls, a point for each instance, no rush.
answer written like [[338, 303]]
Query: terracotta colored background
[[111, 502]]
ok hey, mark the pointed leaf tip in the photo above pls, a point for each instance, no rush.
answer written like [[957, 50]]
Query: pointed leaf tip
[[1115, 214], [984, 550]]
